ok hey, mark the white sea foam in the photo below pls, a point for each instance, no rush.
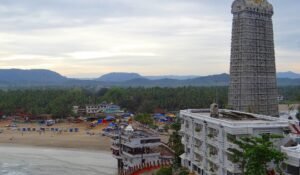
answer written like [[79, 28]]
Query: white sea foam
[[49, 161]]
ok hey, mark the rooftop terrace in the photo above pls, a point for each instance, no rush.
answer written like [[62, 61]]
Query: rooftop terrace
[[235, 118]]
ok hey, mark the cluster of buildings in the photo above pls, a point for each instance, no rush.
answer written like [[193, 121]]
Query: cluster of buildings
[[93, 109], [208, 134]]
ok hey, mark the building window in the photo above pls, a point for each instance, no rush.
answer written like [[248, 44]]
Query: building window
[[213, 151], [231, 138], [198, 127], [212, 133]]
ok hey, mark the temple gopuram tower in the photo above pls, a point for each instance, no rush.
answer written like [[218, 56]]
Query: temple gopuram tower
[[253, 86]]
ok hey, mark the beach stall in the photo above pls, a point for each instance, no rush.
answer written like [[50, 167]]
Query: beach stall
[[110, 118]]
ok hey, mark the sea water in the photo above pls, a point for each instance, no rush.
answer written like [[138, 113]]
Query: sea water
[[18, 160]]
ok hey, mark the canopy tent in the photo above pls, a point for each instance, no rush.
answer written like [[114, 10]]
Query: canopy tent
[[158, 116], [109, 118], [163, 119], [125, 115], [101, 121], [171, 115], [112, 125]]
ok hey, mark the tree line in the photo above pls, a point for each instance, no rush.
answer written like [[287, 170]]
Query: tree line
[[59, 102]]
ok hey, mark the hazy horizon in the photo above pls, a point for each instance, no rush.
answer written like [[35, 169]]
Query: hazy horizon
[[88, 38]]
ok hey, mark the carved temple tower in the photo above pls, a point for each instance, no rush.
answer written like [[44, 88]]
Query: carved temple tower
[[253, 86]]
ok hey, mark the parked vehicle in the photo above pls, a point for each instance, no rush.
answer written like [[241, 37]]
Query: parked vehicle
[[50, 122]]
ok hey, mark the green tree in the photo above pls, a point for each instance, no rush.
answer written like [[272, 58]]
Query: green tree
[[144, 119], [256, 153], [176, 145]]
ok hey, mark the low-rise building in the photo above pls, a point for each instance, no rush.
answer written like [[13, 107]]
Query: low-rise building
[[97, 108], [134, 148], [207, 134]]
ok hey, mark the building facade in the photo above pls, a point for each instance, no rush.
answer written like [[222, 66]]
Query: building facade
[[207, 138], [135, 148], [253, 86]]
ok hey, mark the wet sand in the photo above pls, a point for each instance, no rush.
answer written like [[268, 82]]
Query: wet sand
[[25, 160]]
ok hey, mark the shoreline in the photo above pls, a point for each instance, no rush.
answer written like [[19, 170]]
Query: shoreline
[[17, 145], [28, 160]]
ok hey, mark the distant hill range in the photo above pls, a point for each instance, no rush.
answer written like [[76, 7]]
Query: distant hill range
[[15, 78], [118, 77], [289, 74]]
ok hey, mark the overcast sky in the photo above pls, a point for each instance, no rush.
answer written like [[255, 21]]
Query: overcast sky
[[88, 38]]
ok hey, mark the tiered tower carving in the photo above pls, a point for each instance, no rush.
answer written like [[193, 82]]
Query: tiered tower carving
[[253, 86]]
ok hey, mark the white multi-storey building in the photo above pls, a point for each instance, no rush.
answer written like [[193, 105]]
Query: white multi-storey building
[[207, 135], [291, 165], [291, 148]]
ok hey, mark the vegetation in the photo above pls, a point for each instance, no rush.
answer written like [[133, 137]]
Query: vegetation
[[59, 102], [291, 94], [164, 171], [146, 119], [56, 102], [256, 153], [175, 144]]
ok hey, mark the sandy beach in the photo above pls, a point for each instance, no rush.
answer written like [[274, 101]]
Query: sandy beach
[[78, 140]]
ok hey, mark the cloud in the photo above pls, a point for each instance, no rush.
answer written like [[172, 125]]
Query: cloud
[[93, 37]]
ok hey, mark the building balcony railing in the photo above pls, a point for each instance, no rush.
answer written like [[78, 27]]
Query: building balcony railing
[[150, 154], [199, 163], [199, 135], [198, 149], [115, 147], [232, 167], [231, 145], [213, 157], [213, 141], [211, 171]]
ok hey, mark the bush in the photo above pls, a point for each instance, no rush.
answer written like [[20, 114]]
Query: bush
[[184, 171], [145, 119], [164, 171]]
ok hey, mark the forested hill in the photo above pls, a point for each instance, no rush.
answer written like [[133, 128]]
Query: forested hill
[[16, 78]]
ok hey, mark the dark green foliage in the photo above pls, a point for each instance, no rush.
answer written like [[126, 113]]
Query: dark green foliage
[[256, 153], [145, 100], [176, 126], [144, 119], [291, 94], [139, 100], [166, 128], [56, 102], [176, 145], [164, 171], [183, 171]]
